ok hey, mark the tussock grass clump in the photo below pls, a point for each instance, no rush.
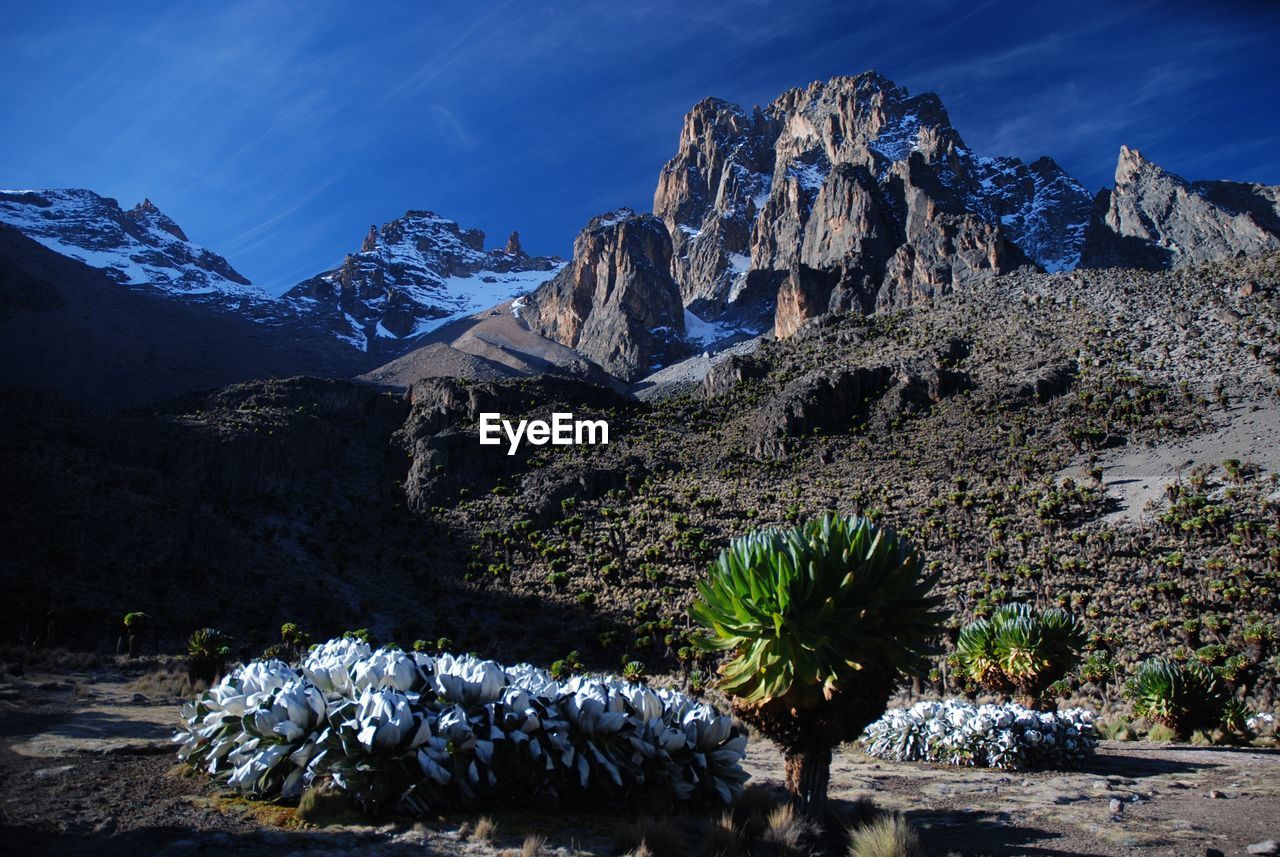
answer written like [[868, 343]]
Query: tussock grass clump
[[721, 838], [486, 830], [790, 832], [1117, 730], [324, 804], [167, 681], [888, 836], [751, 810], [656, 837], [17, 659], [532, 845]]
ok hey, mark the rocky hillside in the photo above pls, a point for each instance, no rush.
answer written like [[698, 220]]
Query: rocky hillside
[[1154, 219], [957, 421], [850, 194], [412, 276]]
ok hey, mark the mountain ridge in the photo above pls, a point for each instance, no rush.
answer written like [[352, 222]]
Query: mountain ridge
[[850, 195]]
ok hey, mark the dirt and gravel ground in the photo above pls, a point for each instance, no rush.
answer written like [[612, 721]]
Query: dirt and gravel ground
[[1137, 478], [87, 768]]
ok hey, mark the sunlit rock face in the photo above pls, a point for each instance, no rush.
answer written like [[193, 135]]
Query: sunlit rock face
[[1154, 219], [847, 196]]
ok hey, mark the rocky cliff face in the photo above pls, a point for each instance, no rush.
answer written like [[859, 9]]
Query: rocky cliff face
[[413, 275], [616, 302], [850, 194], [1154, 219], [141, 247]]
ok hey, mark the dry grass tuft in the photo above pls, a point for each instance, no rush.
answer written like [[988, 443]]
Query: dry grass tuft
[[533, 845], [167, 681], [889, 836], [721, 838], [790, 832], [751, 810], [1117, 730], [653, 837], [323, 804], [861, 813], [486, 830]]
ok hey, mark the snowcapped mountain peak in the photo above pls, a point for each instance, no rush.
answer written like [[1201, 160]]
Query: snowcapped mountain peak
[[413, 275], [863, 153], [141, 247]]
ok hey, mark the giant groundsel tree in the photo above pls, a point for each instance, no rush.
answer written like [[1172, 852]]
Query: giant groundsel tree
[[819, 624]]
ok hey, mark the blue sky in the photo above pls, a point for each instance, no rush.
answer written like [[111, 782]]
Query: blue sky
[[276, 132]]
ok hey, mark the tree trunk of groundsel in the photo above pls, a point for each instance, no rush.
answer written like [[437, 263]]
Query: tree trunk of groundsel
[[808, 773]]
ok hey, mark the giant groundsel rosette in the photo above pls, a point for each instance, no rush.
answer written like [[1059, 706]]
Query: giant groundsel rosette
[[423, 733], [817, 624]]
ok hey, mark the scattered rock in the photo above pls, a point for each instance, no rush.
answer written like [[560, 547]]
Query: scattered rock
[[727, 374], [1266, 846]]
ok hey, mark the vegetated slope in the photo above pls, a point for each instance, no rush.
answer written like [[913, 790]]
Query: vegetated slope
[[71, 329], [948, 420]]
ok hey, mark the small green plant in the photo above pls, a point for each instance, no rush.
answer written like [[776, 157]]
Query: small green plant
[[566, 666], [134, 624], [1020, 651], [361, 634], [207, 652], [635, 672], [1183, 697], [294, 640]]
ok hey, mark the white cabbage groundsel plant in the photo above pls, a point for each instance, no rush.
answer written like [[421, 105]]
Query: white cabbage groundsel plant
[[997, 736], [428, 733]]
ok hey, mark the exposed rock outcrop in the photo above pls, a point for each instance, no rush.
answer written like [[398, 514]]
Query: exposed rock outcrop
[[1154, 219], [727, 374], [616, 302], [847, 196], [819, 401], [441, 438]]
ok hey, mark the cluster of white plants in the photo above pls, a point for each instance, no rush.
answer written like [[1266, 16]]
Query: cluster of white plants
[[420, 732], [1007, 736], [1262, 724]]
